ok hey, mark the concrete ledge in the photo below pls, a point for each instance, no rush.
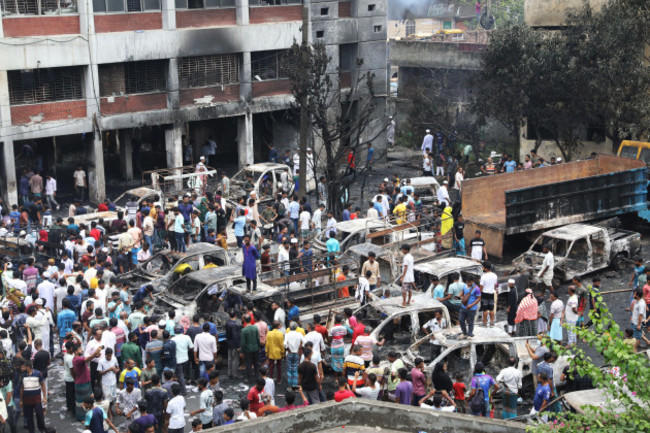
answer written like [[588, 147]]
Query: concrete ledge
[[366, 413]]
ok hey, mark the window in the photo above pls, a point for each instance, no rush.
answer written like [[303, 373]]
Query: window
[[34, 86], [208, 70], [410, 27], [200, 4], [274, 2], [320, 33], [126, 5], [347, 57], [324, 11], [371, 8], [36, 7], [133, 77], [377, 29], [269, 65]]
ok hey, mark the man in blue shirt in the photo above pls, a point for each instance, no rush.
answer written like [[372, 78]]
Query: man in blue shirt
[[332, 244], [509, 166], [438, 289], [293, 312], [379, 207], [294, 212], [371, 154], [65, 319], [469, 304], [143, 293], [306, 254]]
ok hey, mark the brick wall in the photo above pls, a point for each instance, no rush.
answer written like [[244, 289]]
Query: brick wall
[[271, 87], [206, 18], [21, 114], [133, 103], [40, 25], [229, 93], [345, 9], [105, 23], [272, 14]]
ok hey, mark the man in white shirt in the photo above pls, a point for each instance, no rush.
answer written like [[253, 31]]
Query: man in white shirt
[[408, 277], [183, 345], [279, 315], [80, 183], [362, 292], [50, 192], [488, 284], [443, 194], [304, 219], [427, 165], [459, 178], [434, 325], [317, 219], [205, 348], [427, 142], [318, 348], [511, 379], [372, 213], [571, 315], [176, 410], [546, 271]]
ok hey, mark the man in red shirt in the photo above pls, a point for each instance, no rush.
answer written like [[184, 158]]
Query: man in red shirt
[[94, 231], [344, 391], [254, 398], [358, 330], [322, 330]]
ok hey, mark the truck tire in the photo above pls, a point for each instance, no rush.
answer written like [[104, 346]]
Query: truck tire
[[619, 262]]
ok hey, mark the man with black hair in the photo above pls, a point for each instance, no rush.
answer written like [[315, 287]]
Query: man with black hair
[[32, 387], [156, 398], [176, 411], [146, 419], [96, 417]]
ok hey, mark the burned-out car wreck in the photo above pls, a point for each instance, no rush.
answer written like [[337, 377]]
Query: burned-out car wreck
[[580, 249]]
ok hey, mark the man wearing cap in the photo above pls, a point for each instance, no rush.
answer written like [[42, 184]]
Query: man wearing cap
[[443, 194], [511, 309], [427, 143]]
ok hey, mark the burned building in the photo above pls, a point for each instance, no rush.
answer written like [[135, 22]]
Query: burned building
[[122, 86]]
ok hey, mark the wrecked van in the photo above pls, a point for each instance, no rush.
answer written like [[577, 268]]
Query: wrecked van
[[580, 249]]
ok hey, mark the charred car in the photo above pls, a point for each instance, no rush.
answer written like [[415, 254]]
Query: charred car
[[166, 267], [580, 249]]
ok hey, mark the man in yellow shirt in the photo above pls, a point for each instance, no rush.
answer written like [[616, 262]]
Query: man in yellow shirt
[[209, 263], [275, 349], [400, 210]]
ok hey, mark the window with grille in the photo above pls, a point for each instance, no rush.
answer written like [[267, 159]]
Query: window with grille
[[126, 5], [133, 77], [274, 2], [269, 65], [34, 86], [201, 4], [208, 70], [36, 7], [410, 27]]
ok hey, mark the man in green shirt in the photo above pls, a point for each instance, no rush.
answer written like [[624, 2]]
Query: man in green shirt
[[131, 350], [250, 346], [137, 317], [393, 379], [454, 293]]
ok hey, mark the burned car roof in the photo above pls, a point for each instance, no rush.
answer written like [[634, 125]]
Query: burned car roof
[[394, 305], [445, 265], [263, 166], [359, 224], [421, 181], [450, 336], [142, 191], [573, 231], [208, 276], [367, 247]]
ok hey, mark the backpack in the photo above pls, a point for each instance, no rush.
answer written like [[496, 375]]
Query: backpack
[[477, 403]]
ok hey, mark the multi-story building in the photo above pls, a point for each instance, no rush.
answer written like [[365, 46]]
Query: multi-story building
[[93, 83]]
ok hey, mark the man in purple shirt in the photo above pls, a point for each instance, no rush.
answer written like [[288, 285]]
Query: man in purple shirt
[[404, 391]]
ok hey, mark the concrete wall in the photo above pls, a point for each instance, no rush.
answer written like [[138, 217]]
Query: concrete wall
[[375, 414], [436, 55], [397, 28], [552, 13]]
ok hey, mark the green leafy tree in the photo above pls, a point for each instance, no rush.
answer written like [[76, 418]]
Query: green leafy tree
[[592, 72], [625, 382]]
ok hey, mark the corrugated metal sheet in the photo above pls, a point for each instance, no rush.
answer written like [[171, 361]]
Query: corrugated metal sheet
[[576, 200]]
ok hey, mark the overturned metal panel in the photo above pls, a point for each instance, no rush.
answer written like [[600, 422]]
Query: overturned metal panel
[[576, 200]]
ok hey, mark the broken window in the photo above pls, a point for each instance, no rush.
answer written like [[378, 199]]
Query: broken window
[[218, 259], [34, 86], [410, 27], [133, 77], [36, 7], [347, 56], [208, 70], [125, 5], [269, 65]]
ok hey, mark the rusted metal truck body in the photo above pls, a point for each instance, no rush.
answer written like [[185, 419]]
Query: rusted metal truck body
[[542, 198]]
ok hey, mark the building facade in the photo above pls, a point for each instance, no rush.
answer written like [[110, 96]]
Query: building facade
[[124, 86]]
